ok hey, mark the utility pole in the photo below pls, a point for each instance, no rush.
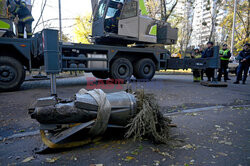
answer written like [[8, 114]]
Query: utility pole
[[53, 75], [60, 20], [233, 28]]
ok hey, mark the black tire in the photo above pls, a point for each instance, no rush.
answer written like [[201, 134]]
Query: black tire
[[144, 69], [101, 74], [12, 74], [122, 69]]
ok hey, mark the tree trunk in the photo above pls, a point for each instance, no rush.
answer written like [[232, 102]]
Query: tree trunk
[[164, 14], [3, 7], [213, 21], [248, 21]]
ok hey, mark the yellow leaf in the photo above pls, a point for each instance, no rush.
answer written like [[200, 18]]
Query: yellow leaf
[[28, 159], [52, 160], [129, 158]]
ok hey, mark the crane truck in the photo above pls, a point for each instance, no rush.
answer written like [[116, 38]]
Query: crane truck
[[134, 47]]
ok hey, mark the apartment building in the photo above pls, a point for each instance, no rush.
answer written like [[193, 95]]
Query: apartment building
[[202, 25], [200, 18]]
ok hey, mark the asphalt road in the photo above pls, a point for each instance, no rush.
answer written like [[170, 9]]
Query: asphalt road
[[217, 133]]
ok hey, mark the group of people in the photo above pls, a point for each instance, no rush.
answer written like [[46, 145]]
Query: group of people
[[225, 55], [18, 8]]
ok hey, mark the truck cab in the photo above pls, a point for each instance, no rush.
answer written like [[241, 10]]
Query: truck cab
[[7, 28], [134, 25]]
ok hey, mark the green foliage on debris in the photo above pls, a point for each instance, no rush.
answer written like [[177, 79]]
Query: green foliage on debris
[[149, 122]]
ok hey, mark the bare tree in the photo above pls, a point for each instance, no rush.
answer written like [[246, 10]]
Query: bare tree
[[165, 14], [214, 7]]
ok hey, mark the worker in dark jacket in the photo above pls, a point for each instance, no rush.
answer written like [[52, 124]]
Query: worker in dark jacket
[[209, 53], [112, 25], [196, 72], [116, 18], [19, 8], [244, 63], [225, 55]]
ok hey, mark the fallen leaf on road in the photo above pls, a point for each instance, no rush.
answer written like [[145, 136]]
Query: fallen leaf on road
[[191, 114], [28, 159], [156, 162], [129, 158], [135, 152], [228, 143], [225, 142], [162, 153], [220, 129], [222, 154], [188, 146], [52, 160], [221, 142], [73, 158]]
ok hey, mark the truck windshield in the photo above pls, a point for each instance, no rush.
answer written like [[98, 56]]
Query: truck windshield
[[101, 10], [111, 12], [111, 9]]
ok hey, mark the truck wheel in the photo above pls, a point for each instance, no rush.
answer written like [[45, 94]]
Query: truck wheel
[[144, 69], [101, 74], [12, 73], [121, 69]]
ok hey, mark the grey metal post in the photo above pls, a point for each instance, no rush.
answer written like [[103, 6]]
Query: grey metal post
[[53, 84], [215, 75], [60, 20], [233, 28], [217, 63]]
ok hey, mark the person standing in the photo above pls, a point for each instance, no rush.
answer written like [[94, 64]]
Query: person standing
[[196, 72], [19, 8], [225, 55], [244, 63], [209, 53]]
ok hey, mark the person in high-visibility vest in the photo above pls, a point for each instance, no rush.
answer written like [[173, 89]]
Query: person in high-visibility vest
[[19, 8], [225, 55], [196, 72]]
